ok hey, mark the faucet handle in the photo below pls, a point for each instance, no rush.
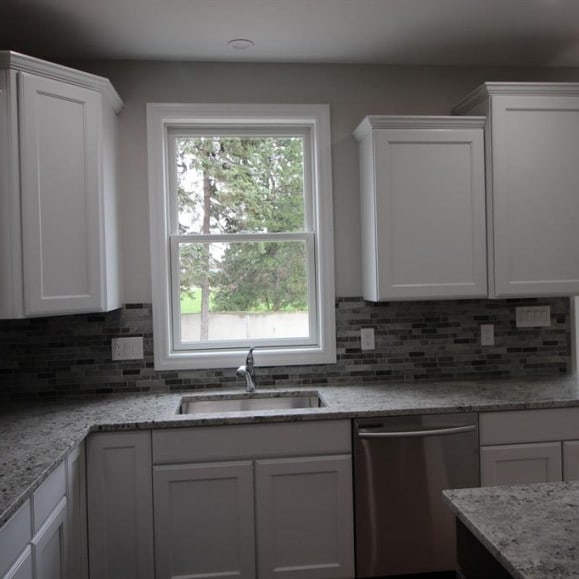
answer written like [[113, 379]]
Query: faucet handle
[[249, 358]]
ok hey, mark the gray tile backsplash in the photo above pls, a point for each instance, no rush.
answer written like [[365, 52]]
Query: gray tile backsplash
[[71, 355]]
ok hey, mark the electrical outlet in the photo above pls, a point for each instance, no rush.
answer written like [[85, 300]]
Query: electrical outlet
[[367, 341], [127, 348], [533, 317], [487, 335]]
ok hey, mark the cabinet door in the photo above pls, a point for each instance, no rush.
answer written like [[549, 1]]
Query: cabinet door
[[204, 525], [77, 505], [304, 518], [430, 213], [49, 545], [15, 535], [22, 569], [571, 460], [521, 464], [60, 133], [120, 505], [534, 195]]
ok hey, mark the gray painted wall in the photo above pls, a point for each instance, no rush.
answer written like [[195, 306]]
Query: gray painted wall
[[352, 91]]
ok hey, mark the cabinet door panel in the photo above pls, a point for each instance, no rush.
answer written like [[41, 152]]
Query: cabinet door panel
[[50, 546], [571, 460], [22, 569], [304, 518], [60, 187], [204, 526], [48, 495], [15, 534], [534, 194], [120, 513], [430, 213], [521, 464], [77, 505]]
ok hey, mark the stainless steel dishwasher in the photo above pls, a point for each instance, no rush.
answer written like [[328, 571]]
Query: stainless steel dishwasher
[[401, 466]]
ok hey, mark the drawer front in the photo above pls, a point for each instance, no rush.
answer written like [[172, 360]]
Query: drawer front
[[179, 445], [14, 536], [529, 425], [48, 495]]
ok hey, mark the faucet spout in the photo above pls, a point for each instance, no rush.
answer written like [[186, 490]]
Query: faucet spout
[[248, 372]]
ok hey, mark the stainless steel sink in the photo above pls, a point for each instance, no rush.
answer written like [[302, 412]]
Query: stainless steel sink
[[250, 403]]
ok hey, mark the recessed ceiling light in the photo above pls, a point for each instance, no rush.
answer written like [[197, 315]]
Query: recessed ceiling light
[[240, 43]]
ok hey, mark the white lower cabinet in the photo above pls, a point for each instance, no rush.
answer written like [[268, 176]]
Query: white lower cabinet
[[77, 512], [571, 460], [50, 546], [120, 506], [254, 501], [529, 446], [303, 527], [15, 535], [513, 464], [204, 522], [23, 567], [304, 517], [46, 537]]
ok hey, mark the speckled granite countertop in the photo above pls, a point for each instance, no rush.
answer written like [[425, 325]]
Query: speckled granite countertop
[[533, 530], [35, 436]]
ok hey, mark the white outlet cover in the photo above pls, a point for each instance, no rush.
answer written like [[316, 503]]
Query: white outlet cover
[[127, 348], [533, 317]]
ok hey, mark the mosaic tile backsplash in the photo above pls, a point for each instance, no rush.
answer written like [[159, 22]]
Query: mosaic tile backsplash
[[71, 355]]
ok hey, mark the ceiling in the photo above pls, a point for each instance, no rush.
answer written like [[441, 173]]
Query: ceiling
[[407, 32]]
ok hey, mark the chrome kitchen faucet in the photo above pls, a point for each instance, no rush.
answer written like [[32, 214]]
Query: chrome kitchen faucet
[[248, 371]]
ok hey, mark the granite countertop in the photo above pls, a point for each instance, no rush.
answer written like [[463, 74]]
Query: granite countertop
[[532, 530], [36, 435]]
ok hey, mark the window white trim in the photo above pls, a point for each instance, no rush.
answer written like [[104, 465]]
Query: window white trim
[[161, 118]]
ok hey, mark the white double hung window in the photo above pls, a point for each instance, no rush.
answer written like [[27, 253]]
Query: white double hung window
[[241, 234]]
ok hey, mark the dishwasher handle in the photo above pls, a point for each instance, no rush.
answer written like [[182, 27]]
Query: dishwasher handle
[[418, 433]]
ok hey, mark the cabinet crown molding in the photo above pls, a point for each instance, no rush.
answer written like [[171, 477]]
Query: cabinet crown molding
[[372, 122], [23, 63], [489, 89]]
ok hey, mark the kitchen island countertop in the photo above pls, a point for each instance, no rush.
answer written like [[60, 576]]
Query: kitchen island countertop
[[36, 435], [531, 530]]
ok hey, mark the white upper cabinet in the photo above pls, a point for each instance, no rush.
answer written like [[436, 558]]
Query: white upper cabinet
[[532, 184], [423, 207], [58, 155]]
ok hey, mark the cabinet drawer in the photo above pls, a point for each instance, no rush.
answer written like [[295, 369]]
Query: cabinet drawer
[[14, 536], [251, 441], [529, 425], [48, 495]]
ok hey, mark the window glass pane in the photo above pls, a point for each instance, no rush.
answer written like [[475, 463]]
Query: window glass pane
[[243, 291], [240, 184]]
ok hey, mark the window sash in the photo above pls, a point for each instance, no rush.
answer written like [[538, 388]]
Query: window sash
[[313, 315], [305, 132]]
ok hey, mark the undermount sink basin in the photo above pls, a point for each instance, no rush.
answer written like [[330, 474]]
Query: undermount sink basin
[[250, 402]]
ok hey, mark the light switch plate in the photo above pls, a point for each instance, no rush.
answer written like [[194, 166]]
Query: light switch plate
[[487, 335], [533, 317], [127, 348], [367, 341]]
